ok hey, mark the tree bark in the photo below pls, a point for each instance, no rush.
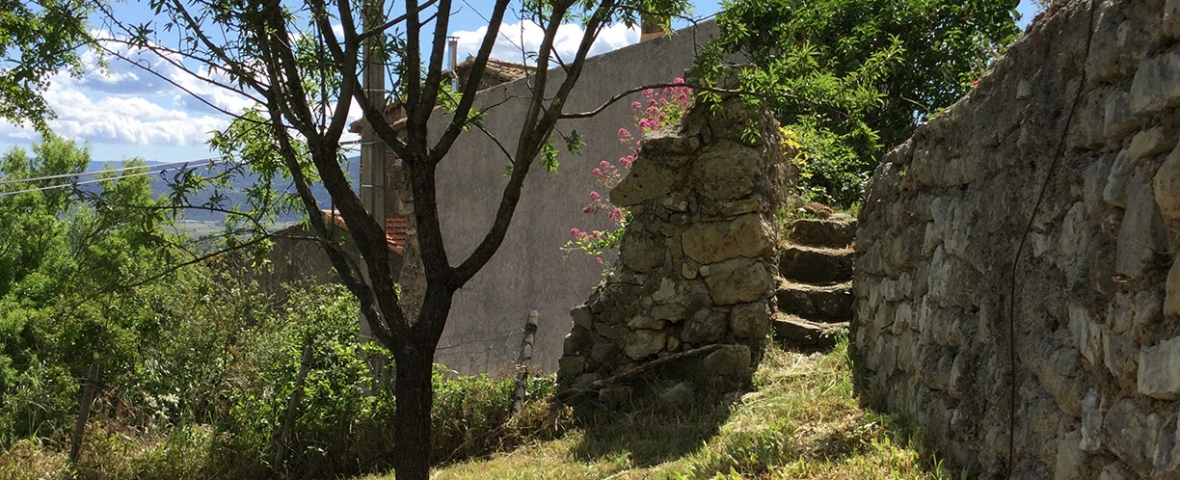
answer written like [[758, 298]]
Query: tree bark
[[411, 421]]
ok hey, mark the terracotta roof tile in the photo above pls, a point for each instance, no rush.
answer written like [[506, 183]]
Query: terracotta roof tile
[[395, 229]]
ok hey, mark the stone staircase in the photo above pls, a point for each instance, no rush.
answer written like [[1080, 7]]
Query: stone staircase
[[814, 292]]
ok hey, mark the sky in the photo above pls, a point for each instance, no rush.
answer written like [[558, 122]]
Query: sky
[[122, 112]]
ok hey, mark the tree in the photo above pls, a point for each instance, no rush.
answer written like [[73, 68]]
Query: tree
[[848, 77], [37, 39], [303, 76]]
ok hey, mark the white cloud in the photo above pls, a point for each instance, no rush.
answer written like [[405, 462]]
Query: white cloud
[[509, 44]]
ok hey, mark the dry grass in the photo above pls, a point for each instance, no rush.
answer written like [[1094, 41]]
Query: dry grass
[[801, 421]]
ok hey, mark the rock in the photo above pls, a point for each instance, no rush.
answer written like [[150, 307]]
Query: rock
[[1119, 122], [1154, 87], [1167, 186], [688, 271], [729, 360], [705, 326], [1121, 357], [604, 352], [726, 171], [1116, 471], [584, 380], [1130, 433], [712, 242], [666, 292], [673, 312], [1115, 192], [1150, 142], [644, 343], [1171, 23], [1087, 335], [1159, 370], [1070, 458], [578, 339], [822, 233], [570, 367], [1172, 289], [1141, 233], [670, 140], [796, 331], [1167, 451], [645, 322], [582, 316], [750, 320], [642, 252], [647, 180], [739, 281], [1091, 432], [679, 394]]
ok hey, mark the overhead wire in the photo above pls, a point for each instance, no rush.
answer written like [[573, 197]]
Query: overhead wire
[[152, 170]]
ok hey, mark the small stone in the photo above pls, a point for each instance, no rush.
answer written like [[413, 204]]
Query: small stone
[[672, 312], [666, 292], [1091, 433], [705, 326], [1115, 192], [1141, 232], [644, 343], [1167, 450], [1116, 471], [687, 271], [1070, 458], [673, 344], [1087, 334], [739, 281], [576, 340], [1167, 186], [1154, 87], [604, 352], [729, 360], [1159, 370], [612, 332], [1150, 142], [584, 380], [1171, 23], [679, 394], [739, 207], [1172, 289]]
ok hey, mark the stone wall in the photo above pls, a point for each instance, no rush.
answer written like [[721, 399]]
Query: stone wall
[[696, 264], [1094, 291]]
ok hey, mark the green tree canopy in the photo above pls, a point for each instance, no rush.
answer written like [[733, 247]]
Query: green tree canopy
[[38, 38]]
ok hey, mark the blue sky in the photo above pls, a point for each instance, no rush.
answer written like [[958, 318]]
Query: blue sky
[[123, 112]]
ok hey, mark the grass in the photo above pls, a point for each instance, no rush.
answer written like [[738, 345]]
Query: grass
[[800, 421]]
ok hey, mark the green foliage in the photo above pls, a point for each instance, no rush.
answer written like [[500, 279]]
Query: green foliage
[[37, 40], [850, 77]]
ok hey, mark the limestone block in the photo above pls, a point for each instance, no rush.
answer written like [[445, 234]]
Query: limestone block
[[1118, 121], [1171, 23], [1159, 370], [672, 312], [705, 326], [1155, 87], [1130, 433], [745, 236], [1150, 142], [750, 320], [1087, 334], [726, 171], [670, 140], [959, 381], [570, 367], [1071, 459], [578, 339], [739, 281], [729, 360], [1167, 186], [582, 316], [1116, 471], [645, 322], [1149, 308], [1115, 191], [643, 251], [604, 352], [1167, 450], [666, 292], [1141, 233], [1092, 413], [1120, 354], [647, 180], [1074, 240], [1172, 290], [644, 343], [1059, 375], [1120, 314]]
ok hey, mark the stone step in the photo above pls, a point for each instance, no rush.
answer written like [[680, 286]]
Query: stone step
[[830, 233], [795, 331], [821, 303], [816, 265]]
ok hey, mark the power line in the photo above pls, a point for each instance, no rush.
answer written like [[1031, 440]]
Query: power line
[[210, 162], [6, 181]]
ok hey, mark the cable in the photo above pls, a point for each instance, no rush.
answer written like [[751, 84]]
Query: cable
[[6, 181], [89, 182]]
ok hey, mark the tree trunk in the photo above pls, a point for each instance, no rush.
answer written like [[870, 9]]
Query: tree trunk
[[411, 421]]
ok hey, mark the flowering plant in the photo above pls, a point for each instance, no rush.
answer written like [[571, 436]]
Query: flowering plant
[[659, 108]]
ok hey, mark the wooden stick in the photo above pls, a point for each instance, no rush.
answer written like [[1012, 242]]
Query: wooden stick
[[292, 407], [522, 363], [649, 366], [88, 390]]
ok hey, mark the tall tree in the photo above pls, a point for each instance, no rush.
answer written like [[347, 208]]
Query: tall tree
[[300, 61], [38, 38]]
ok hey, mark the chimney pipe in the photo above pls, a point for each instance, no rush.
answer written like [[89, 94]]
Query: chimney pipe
[[453, 43]]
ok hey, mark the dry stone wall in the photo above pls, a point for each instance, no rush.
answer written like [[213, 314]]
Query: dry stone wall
[[1084, 105], [696, 263]]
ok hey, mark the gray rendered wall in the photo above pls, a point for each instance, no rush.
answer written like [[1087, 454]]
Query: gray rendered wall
[[530, 271]]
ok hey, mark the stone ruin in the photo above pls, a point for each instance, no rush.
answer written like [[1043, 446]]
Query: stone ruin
[[697, 261], [1085, 107]]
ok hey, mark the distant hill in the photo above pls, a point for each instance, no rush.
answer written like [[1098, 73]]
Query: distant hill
[[234, 195]]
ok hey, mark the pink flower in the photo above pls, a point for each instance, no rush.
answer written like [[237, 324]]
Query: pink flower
[[594, 196], [677, 80], [598, 259], [652, 102], [649, 92], [627, 161], [604, 164], [683, 98], [636, 105], [575, 232], [624, 135], [597, 172], [587, 209]]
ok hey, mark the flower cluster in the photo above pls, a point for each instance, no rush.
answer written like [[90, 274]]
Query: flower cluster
[[660, 108]]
